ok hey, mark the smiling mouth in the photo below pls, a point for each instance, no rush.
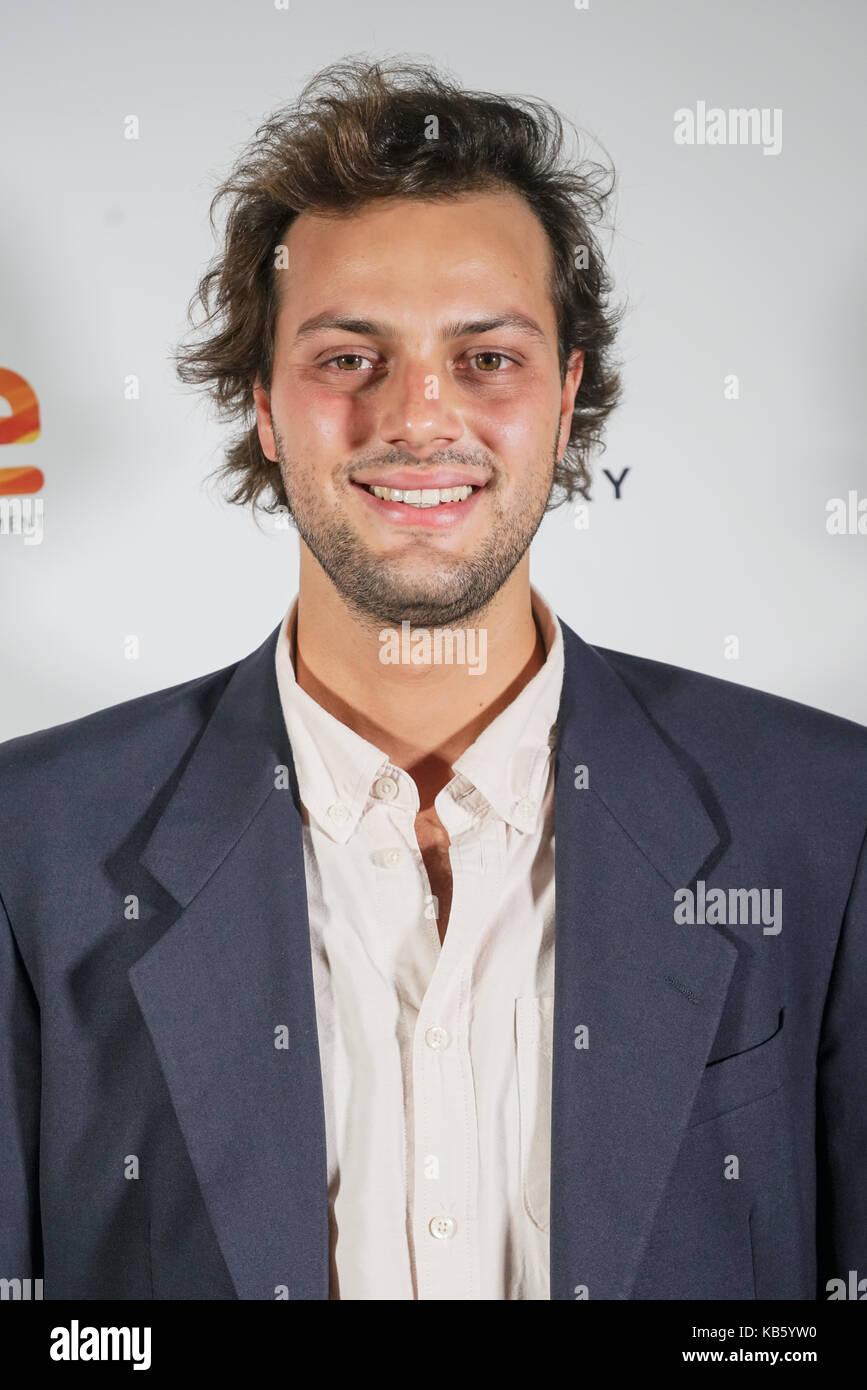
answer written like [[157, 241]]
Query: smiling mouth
[[421, 497]]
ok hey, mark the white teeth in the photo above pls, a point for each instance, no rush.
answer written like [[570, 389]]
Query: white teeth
[[423, 497]]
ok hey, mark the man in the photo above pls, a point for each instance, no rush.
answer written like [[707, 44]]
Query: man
[[429, 952]]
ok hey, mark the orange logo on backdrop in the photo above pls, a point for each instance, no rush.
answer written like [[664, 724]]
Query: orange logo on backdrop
[[21, 427]]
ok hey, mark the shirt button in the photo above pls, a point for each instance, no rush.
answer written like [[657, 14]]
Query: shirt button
[[436, 1038], [525, 809], [338, 811], [443, 1227], [385, 787], [391, 858]]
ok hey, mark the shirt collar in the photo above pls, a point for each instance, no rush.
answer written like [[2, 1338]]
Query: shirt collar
[[335, 766], [508, 762], [506, 766]]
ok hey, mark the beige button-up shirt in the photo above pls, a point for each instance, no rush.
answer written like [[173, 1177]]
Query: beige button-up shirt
[[436, 1059]]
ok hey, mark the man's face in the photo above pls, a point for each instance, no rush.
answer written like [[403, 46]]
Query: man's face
[[416, 349]]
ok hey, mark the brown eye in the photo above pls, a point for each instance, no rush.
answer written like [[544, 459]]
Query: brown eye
[[347, 357], [497, 355]]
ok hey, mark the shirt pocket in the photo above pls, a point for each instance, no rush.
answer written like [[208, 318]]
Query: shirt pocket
[[734, 1081], [534, 1025]]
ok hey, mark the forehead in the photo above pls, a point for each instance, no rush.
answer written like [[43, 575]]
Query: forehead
[[408, 251]]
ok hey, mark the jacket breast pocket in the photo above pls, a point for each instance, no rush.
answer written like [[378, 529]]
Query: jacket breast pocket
[[534, 1025], [731, 1082]]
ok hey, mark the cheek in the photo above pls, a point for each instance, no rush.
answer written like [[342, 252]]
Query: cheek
[[318, 418], [518, 425]]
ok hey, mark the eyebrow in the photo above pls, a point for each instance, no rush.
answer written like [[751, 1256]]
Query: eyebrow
[[373, 328]]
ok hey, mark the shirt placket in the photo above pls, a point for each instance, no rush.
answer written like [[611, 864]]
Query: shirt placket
[[444, 1119]]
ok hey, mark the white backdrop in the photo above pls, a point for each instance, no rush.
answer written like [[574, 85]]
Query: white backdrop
[[734, 263]]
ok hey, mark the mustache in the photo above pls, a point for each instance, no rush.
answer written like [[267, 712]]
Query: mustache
[[401, 458]]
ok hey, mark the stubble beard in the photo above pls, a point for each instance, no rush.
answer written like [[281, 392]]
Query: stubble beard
[[439, 590]]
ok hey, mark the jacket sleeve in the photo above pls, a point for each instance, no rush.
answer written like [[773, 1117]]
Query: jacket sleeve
[[842, 1105], [20, 1075]]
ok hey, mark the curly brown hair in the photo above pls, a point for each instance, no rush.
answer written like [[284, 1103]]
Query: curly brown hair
[[358, 132]]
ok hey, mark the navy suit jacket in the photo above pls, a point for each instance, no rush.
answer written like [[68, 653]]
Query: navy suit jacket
[[709, 1101]]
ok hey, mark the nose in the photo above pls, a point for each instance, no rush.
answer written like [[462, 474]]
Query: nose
[[417, 410]]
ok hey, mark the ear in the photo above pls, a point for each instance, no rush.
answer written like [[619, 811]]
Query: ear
[[574, 373], [264, 423]]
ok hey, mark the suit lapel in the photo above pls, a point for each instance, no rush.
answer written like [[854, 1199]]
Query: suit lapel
[[230, 980], [649, 991]]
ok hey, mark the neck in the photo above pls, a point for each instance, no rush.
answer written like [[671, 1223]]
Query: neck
[[422, 716]]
